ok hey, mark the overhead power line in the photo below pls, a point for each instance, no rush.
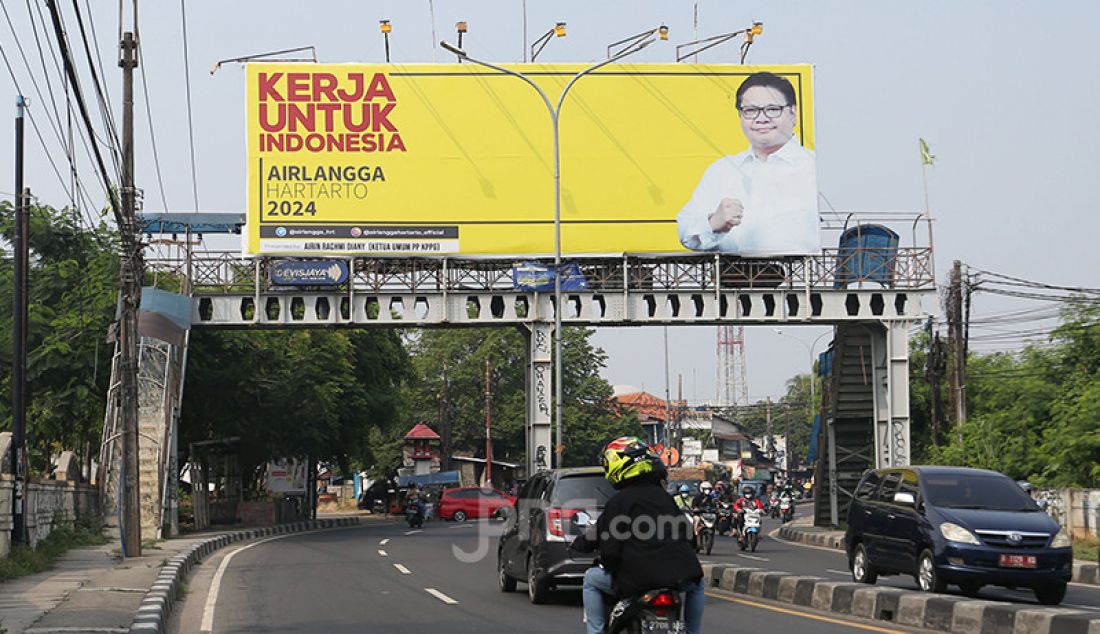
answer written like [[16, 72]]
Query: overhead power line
[[66, 57]]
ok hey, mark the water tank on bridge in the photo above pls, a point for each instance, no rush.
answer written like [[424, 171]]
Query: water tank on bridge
[[868, 253]]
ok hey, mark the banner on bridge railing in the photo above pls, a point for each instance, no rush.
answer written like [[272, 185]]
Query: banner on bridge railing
[[417, 160]]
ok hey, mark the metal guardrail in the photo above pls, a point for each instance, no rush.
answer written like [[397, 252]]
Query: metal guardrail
[[904, 268]]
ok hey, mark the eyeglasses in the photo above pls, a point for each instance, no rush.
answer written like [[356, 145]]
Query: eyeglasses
[[771, 112]]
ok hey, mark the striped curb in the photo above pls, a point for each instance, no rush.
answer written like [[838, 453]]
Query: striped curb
[[1086, 573], [826, 539], [1082, 572], [153, 612], [937, 612]]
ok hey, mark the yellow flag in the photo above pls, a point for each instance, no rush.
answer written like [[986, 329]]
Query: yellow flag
[[926, 156]]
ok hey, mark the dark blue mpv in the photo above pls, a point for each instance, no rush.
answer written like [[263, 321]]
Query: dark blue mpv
[[968, 527]]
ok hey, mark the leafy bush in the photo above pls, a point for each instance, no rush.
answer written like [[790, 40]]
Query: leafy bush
[[24, 560]]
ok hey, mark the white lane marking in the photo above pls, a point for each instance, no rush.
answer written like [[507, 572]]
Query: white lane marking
[[215, 585], [412, 532], [439, 595], [842, 573], [403, 570], [383, 553], [384, 542], [753, 557], [461, 525], [1082, 607]]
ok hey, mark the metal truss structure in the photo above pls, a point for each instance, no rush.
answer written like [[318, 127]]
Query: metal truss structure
[[891, 288], [830, 288]]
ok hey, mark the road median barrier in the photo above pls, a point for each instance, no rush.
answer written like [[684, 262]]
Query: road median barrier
[[936, 612], [152, 614]]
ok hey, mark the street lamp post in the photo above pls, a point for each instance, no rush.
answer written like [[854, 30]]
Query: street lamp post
[[810, 349], [555, 113]]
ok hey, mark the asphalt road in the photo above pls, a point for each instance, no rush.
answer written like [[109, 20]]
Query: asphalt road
[[384, 578], [801, 559]]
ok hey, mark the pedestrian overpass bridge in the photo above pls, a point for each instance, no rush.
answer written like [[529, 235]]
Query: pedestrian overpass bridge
[[871, 297]]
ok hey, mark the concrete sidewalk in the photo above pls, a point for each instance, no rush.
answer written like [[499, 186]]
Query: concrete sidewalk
[[92, 590]]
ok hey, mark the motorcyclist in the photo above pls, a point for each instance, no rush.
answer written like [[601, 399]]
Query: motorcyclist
[[414, 498], [748, 499], [634, 561], [705, 498], [786, 490], [683, 498]]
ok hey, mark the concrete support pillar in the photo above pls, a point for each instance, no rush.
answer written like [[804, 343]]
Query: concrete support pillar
[[890, 352], [540, 391]]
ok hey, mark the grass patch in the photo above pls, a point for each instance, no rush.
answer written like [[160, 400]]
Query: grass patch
[[1086, 548], [24, 560]]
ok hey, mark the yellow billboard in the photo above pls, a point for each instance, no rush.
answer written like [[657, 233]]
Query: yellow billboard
[[354, 159]]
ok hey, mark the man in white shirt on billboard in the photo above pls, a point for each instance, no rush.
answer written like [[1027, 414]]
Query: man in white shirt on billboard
[[762, 201]]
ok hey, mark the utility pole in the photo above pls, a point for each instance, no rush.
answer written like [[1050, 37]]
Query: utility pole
[[131, 278], [445, 420], [934, 371], [771, 433], [958, 346], [19, 335], [488, 432]]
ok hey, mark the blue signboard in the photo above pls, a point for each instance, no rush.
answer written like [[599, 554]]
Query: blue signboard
[[308, 272], [532, 276]]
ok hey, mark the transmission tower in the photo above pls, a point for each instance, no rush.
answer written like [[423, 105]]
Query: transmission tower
[[733, 380]]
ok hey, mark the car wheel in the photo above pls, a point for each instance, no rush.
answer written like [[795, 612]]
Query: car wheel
[[1052, 594], [970, 588], [460, 516], [506, 581], [536, 588], [862, 572], [928, 578]]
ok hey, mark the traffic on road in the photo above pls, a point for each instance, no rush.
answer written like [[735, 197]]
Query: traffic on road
[[467, 575]]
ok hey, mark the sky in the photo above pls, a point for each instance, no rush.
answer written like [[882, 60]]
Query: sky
[[997, 88]]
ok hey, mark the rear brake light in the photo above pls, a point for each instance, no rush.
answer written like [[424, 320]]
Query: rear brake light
[[663, 600], [556, 518]]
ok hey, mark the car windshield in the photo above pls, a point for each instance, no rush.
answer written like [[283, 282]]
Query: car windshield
[[582, 491], [966, 491]]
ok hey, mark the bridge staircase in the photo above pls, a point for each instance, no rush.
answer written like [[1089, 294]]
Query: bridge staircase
[[846, 446]]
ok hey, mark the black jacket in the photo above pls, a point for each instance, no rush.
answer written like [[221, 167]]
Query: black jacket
[[646, 559]]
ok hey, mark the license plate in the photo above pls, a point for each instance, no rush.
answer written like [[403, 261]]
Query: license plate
[[664, 626], [1018, 561]]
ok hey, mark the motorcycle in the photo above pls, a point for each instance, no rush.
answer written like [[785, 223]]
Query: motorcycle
[[751, 519], [725, 518], [414, 515], [660, 610], [786, 509], [773, 506], [704, 532]]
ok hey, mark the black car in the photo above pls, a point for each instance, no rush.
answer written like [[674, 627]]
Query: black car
[[968, 527], [539, 528]]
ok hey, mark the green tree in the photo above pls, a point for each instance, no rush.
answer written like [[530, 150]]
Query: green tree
[[72, 283], [450, 367], [293, 393]]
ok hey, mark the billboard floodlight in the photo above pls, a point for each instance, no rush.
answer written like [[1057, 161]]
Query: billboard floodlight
[[698, 46], [634, 42], [558, 30], [249, 58], [385, 27]]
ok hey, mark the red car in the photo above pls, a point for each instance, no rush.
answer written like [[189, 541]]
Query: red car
[[472, 502]]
